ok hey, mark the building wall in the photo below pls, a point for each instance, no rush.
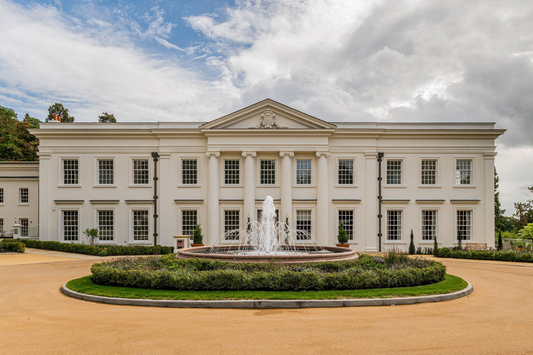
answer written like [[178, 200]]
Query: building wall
[[230, 138], [13, 177]]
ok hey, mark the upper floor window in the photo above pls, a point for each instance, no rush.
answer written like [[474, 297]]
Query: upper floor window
[[394, 172], [463, 172], [303, 172], [429, 172], [70, 172], [140, 172], [464, 224], [189, 172], [394, 225], [268, 172], [1, 195], [24, 196], [105, 172], [231, 172], [140, 225], [346, 217], [231, 224], [429, 225], [303, 225], [345, 172]]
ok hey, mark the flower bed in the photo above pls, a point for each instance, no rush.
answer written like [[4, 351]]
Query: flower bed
[[97, 250], [504, 255], [204, 275]]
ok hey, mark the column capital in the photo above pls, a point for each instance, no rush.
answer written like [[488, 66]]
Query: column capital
[[250, 153], [323, 153], [216, 153], [288, 153]]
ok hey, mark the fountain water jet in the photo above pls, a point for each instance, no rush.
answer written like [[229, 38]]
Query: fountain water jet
[[268, 240]]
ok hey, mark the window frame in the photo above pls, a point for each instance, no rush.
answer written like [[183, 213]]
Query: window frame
[[180, 171], [97, 223], [2, 195], [402, 239], [354, 229], [311, 172], [312, 224], [472, 176], [62, 226], [132, 227], [97, 171], [456, 219], [223, 222], [354, 171], [276, 170], [386, 177], [132, 175], [437, 172], [61, 174], [223, 170], [22, 226], [27, 189], [180, 217], [421, 224]]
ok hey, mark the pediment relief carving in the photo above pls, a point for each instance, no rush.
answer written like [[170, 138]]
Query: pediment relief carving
[[268, 121]]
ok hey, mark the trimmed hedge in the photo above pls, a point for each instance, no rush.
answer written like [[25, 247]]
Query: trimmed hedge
[[12, 246], [206, 275], [97, 250], [504, 255]]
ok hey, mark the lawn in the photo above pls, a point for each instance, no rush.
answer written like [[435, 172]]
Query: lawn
[[85, 285]]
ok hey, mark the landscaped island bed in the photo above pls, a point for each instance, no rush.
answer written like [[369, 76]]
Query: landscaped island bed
[[169, 273], [503, 255]]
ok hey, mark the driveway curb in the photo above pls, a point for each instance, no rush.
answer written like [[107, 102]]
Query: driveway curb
[[270, 304]]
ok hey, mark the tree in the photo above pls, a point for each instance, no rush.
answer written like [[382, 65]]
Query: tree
[[412, 249], [32, 121], [59, 109], [107, 118], [16, 142], [523, 214], [500, 241], [459, 240], [343, 236], [435, 247], [498, 212]]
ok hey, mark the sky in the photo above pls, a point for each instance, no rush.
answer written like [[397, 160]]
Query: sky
[[338, 60]]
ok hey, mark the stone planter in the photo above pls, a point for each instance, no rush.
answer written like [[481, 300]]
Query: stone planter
[[196, 245], [343, 245]]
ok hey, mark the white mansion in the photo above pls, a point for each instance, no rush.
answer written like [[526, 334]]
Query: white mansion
[[137, 181]]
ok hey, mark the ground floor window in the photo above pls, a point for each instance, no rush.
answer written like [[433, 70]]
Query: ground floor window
[[140, 225], [105, 225], [347, 218], [70, 225], [464, 224], [394, 225], [429, 225], [189, 219], [231, 224], [1, 224], [24, 228], [303, 225]]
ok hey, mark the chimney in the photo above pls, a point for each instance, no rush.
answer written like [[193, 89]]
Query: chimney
[[57, 118]]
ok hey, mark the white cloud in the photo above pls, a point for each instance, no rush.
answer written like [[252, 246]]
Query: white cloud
[[48, 57], [167, 44]]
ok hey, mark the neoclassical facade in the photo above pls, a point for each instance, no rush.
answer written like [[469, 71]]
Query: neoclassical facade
[[137, 181]]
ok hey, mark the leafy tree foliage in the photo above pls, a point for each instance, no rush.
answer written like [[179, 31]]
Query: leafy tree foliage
[[526, 232], [107, 118], [523, 214], [498, 212], [59, 109], [16, 142]]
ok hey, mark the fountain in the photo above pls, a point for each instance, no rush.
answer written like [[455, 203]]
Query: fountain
[[268, 240]]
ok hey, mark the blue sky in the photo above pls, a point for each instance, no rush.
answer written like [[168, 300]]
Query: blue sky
[[339, 60]]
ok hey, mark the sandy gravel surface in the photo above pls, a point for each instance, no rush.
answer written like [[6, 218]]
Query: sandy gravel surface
[[35, 318]]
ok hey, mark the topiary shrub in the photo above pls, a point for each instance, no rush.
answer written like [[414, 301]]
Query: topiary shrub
[[197, 236], [412, 249], [343, 236], [500, 242]]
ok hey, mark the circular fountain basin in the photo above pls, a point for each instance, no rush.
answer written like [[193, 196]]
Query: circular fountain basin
[[301, 255]]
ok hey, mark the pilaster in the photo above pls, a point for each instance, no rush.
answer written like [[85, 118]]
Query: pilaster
[[249, 186], [489, 230], [371, 203], [322, 199], [213, 213], [286, 187]]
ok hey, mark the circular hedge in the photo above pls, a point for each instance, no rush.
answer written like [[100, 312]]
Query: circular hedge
[[169, 273]]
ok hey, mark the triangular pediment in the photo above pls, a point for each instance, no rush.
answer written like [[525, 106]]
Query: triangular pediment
[[267, 114]]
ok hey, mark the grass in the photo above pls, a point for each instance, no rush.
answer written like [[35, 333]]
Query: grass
[[85, 285]]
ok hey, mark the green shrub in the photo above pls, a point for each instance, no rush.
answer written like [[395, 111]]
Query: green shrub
[[197, 236], [169, 273], [504, 255], [343, 236], [412, 249], [12, 246], [97, 250]]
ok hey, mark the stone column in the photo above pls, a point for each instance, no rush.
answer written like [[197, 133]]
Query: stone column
[[372, 203], [166, 221], [286, 187], [46, 215], [322, 200], [213, 211], [489, 204], [249, 186]]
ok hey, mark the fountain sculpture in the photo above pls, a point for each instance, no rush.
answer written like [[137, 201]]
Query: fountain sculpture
[[268, 240]]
